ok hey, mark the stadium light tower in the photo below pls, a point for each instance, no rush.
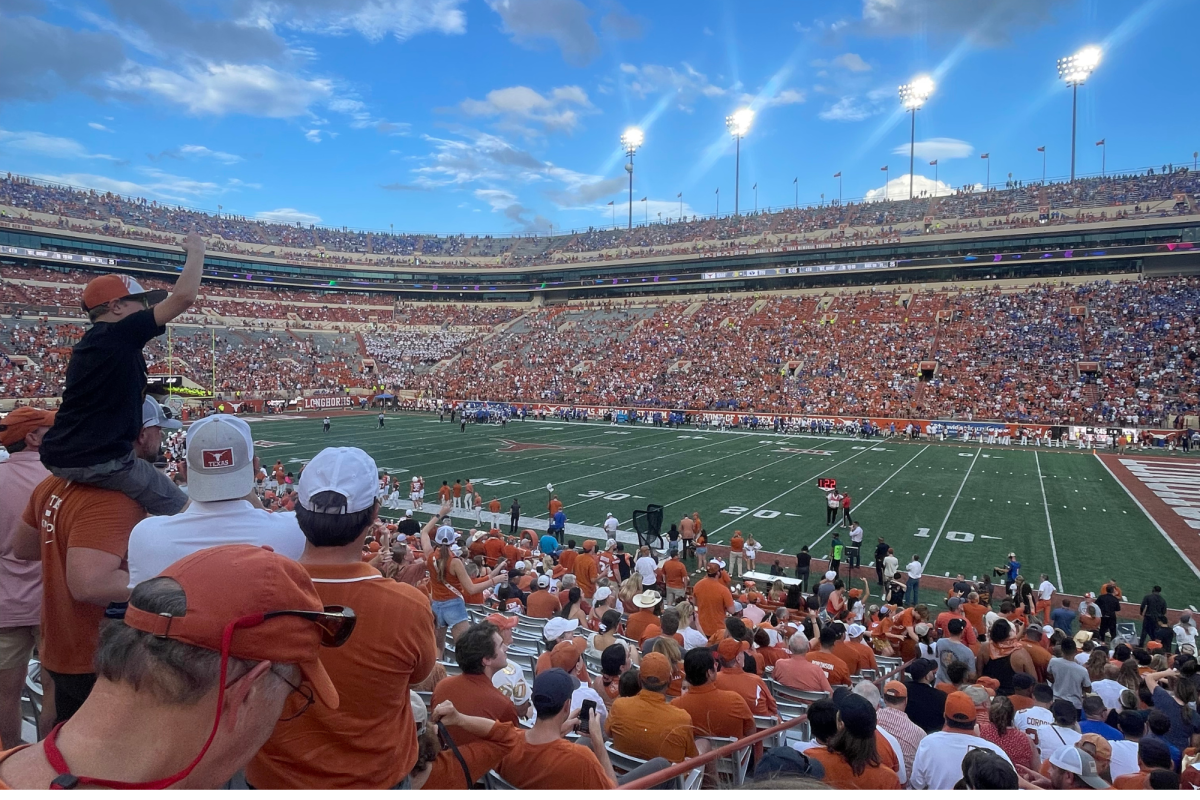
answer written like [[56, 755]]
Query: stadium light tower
[[631, 140], [1075, 70], [914, 95], [738, 124]]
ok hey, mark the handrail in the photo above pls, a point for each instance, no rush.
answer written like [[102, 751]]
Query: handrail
[[689, 764]]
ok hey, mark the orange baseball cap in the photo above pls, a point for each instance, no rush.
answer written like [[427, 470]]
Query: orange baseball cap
[[588, 546], [1154, 644], [106, 288], [729, 649], [650, 632], [1101, 748], [232, 582], [959, 708], [503, 621], [655, 671], [564, 656], [895, 689], [22, 421]]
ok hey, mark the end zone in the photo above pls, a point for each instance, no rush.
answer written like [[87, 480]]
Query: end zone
[[1168, 493]]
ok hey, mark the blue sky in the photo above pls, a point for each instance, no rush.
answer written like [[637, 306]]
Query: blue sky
[[505, 115]]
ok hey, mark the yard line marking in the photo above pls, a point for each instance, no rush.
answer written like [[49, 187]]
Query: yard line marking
[[805, 482], [735, 477], [1153, 521], [953, 502], [1049, 526], [876, 489]]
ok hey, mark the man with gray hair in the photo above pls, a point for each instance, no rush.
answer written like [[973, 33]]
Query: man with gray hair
[[798, 672], [870, 692]]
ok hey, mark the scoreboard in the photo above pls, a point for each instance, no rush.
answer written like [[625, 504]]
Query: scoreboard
[[827, 483]]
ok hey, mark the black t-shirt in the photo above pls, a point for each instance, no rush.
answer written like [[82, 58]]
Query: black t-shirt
[[408, 526], [625, 565], [673, 534], [803, 562], [881, 551], [1108, 604], [1154, 605], [101, 412], [926, 706]]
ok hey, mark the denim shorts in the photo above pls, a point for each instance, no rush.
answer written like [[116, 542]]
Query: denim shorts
[[448, 613]]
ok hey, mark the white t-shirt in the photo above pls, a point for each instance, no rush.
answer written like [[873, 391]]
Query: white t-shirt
[[158, 542], [511, 683], [1046, 590], [1124, 758], [938, 762], [645, 567], [610, 527], [693, 638], [901, 773], [1185, 635], [1109, 692], [915, 570], [1032, 719]]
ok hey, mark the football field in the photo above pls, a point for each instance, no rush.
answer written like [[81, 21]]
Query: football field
[[959, 508]]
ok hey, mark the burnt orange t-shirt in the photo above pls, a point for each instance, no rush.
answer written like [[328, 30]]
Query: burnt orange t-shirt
[[736, 544], [493, 547], [567, 559], [717, 712], [555, 506], [839, 775], [585, 574], [444, 493], [835, 669], [475, 696], [69, 516], [675, 572], [975, 612], [375, 744], [442, 590], [548, 766], [542, 604], [638, 621], [713, 599], [751, 688], [481, 755], [494, 506], [456, 490]]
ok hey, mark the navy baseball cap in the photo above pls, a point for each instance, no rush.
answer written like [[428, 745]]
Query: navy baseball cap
[[786, 761], [553, 688]]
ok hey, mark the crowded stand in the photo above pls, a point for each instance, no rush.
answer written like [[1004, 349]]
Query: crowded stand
[[1151, 194], [999, 354]]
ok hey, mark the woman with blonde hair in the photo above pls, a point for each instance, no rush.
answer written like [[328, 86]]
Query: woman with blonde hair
[[630, 588], [689, 626], [670, 648]]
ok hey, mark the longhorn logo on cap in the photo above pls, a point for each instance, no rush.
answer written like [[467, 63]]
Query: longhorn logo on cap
[[216, 459]]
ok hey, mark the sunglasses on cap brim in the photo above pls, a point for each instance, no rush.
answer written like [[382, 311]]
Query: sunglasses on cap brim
[[335, 623]]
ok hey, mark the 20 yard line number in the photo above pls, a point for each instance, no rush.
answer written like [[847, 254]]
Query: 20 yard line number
[[951, 536], [762, 513]]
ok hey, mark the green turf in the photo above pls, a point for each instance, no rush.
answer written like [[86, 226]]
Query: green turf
[[964, 507]]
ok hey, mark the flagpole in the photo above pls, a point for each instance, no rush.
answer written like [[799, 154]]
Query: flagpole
[[796, 183], [214, 362], [718, 193]]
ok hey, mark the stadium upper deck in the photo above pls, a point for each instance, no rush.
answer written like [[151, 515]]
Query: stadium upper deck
[[1093, 225]]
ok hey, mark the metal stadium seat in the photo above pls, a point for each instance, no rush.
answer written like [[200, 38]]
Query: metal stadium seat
[[762, 723], [451, 668], [732, 768], [623, 762], [797, 696]]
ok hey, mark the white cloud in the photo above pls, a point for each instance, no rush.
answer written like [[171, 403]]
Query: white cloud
[[786, 97], [200, 151], [288, 216], [855, 108], [158, 185], [372, 19], [45, 145], [100, 127], [558, 110], [219, 89], [564, 22], [988, 23], [939, 148], [313, 135], [852, 62], [897, 188], [686, 83]]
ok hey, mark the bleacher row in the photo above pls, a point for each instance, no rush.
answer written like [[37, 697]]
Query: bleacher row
[[1153, 193], [1009, 355]]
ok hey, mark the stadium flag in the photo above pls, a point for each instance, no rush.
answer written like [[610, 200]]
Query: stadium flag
[[1042, 149], [1100, 143], [610, 202], [933, 163], [985, 155], [796, 179], [643, 199], [837, 174], [679, 195], [755, 186]]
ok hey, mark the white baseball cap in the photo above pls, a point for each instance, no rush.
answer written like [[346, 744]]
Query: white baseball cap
[[557, 626], [156, 415], [544, 581], [220, 459], [602, 594], [854, 630], [445, 535], [519, 565], [831, 575], [408, 512], [347, 471]]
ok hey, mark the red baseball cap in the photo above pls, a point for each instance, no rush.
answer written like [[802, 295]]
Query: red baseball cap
[[231, 582], [106, 288], [23, 421]]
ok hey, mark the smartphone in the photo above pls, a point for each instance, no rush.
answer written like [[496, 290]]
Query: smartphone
[[585, 715]]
